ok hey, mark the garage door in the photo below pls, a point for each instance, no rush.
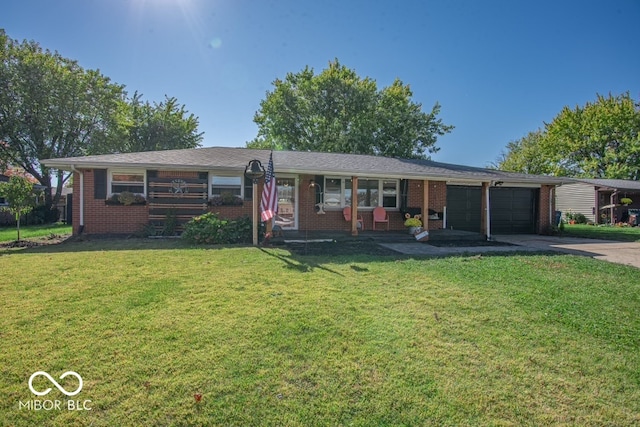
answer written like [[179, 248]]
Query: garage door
[[513, 210], [464, 208]]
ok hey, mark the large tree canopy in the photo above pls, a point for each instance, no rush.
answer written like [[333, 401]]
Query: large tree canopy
[[51, 107], [524, 155], [337, 111], [599, 140], [158, 126]]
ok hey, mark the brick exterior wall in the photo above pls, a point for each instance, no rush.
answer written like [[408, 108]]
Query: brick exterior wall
[[100, 218], [233, 212], [545, 203], [437, 199], [178, 174]]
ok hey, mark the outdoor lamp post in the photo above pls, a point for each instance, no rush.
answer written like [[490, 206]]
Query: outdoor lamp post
[[255, 172]]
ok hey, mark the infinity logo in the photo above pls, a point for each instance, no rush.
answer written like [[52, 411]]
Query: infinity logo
[[55, 383]]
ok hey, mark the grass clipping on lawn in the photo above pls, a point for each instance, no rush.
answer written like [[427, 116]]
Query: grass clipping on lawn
[[246, 336]]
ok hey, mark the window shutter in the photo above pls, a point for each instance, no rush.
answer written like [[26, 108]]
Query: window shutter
[[404, 190], [248, 189], [99, 184]]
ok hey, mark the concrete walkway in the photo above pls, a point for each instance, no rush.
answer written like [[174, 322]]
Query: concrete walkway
[[607, 250], [627, 253]]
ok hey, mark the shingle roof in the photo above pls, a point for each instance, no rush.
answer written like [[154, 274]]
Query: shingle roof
[[618, 184], [313, 163]]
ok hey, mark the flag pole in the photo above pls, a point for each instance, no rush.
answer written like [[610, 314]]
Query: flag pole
[[254, 171], [255, 213]]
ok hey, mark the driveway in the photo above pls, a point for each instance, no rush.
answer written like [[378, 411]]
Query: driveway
[[627, 253]]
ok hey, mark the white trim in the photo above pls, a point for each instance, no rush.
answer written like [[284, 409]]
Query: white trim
[[519, 185], [224, 175], [343, 203], [110, 173], [296, 198], [488, 207]]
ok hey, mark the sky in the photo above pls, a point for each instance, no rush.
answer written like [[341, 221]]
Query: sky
[[498, 69]]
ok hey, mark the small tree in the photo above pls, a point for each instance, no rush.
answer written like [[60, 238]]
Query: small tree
[[18, 192]]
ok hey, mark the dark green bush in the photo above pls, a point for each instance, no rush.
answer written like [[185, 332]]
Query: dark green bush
[[210, 229], [580, 218]]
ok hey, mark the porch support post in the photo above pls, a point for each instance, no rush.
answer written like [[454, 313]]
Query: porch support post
[[425, 204], [484, 214], [354, 206]]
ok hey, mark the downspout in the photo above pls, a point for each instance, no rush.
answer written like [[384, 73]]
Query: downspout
[[488, 216], [444, 217], [81, 201], [612, 208], [552, 218]]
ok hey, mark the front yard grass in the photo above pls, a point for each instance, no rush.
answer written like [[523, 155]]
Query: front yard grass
[[267, 337], [606, 232], [8, 234]]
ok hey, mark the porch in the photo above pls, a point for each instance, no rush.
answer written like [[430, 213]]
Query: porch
[[309, 236]]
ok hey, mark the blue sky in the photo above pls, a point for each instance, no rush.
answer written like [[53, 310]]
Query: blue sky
[[499, 69]]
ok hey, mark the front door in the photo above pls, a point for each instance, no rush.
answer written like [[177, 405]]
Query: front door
[[287, 216]]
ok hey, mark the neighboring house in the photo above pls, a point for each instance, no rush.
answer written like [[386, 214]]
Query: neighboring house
[[64, 204], [313, 189], [598, 199]]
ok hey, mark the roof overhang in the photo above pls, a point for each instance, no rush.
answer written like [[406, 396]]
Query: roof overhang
[[233, 160]]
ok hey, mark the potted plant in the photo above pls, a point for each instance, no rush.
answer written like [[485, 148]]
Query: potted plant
[[626, 201], [413, 223]]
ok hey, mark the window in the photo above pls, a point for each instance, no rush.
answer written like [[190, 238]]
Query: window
[[133, 182], [3, 202], [367, 192], [333, 192], [226, 184], [371, 192], [390, 193]]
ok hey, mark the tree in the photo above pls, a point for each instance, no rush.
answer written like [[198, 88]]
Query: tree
[[525, 156], [599, 140], [337, 111], [163, 126], [50, 107], [18, 193]]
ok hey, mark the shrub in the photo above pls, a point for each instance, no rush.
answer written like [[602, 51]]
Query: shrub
[[579, 218], [170, 223], [209, 228]]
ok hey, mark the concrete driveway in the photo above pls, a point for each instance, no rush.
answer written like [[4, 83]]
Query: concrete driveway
[[619, 252]]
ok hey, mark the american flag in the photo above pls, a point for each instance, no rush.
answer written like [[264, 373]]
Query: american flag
[[269, 202]]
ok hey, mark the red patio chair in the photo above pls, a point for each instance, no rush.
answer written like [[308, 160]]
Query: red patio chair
[[380, 215], [347, 217]]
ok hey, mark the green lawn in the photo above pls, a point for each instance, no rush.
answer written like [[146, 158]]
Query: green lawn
[[623, 234], [8, 234], [271, 338]]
